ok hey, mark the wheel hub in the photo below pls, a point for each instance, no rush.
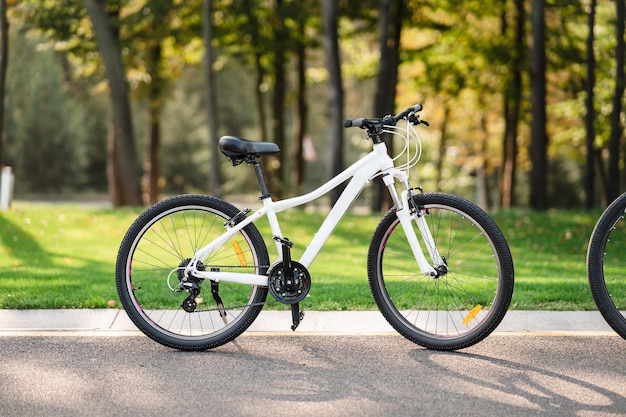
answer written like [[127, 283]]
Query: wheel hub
[[184, 280], [189, 283]]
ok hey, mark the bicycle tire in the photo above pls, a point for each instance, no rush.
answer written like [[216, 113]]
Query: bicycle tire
[[455, 310], [606, 270], [158, 243]]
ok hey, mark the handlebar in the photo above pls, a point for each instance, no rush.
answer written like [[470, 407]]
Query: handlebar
[[374, 123], [402, 115]]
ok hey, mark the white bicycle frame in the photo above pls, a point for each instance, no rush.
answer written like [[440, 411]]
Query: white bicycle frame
[[375, 163]]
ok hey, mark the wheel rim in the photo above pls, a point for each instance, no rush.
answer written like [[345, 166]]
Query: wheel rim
[[456, 304], [150, 272]]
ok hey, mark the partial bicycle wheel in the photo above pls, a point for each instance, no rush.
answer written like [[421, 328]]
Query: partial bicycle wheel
[[461, 306], [606, 266], [156, 248]]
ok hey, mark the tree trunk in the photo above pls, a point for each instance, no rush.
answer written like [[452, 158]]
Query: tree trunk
[[602, 176], [335, 92], [253, 25], [278, 99], [482, 189], [539, 139], [299, 166], [618, 94], [123, 169], [590, 173], [512, 106], [442, 147], [4, 62], [152, 164], [261, 109], [390, 27], [215, 178]]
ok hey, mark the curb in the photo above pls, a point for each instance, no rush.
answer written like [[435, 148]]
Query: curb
[[272, 321]]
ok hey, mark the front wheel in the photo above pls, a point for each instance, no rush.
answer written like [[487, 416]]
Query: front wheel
[[179, 312], [460, 307], [605, 265]]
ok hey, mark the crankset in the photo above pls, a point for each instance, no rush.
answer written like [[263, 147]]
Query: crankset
[[289, 282]]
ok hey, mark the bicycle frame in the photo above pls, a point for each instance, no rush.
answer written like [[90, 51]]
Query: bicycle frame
[[377, 162]]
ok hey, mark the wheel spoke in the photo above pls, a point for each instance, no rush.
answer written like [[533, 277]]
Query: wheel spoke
[[154, 251], [460, 307]]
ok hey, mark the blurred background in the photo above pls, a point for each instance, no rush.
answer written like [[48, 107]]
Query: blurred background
[[126, 99]]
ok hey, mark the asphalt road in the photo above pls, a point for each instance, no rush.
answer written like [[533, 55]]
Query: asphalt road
[[268, 375]]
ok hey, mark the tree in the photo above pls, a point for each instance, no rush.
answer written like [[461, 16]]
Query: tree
[[391, 13], [122, 169], [539, 136], [299, 162], [152, 164], [512, 104], [280, 36], [590, 110], [157, 32], [335, 92], [618, 94], [211, 100], [47, 126], [4, 58], [270, 40]]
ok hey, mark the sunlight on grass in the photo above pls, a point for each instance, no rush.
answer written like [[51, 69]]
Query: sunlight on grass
[[63, 256]]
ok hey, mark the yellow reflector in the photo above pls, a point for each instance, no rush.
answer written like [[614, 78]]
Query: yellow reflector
[[239, 252], [472, 314]]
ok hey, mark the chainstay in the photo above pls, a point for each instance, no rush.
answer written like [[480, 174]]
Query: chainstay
[[243, 305], [207, 310]]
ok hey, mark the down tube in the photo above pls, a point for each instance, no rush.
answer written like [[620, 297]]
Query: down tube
[[347, 198]]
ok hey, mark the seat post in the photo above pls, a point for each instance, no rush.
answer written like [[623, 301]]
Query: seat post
[[265, 192]]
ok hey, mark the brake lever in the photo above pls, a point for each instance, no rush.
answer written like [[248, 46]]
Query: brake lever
[[415, 120]]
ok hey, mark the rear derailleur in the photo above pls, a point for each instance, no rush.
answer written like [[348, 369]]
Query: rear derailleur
[[192, 285]]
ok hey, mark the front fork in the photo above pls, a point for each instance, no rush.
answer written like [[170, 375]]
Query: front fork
[[406, 214]]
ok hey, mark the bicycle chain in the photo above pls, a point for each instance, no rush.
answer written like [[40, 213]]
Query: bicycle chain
[[235, 307], [240, 306], [237, 266]]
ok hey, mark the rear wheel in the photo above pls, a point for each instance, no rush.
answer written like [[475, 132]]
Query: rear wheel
[[464, 304], [606, 267], [148, 272]]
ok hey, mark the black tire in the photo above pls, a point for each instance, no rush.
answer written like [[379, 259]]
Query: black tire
[[606, 268], [455, 310], [158, 243]]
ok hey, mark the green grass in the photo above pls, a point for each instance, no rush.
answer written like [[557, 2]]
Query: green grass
[[63, 256]]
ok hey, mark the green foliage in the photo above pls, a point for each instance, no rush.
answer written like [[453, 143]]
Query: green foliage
[[456, 57], [50, 127]]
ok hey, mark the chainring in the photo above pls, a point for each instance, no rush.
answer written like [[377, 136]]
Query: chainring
[[286, 290]]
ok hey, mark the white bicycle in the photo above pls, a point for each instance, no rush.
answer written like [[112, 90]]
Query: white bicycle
[[193, 271]]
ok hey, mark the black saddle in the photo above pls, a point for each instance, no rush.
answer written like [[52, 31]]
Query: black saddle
[[238, 148]]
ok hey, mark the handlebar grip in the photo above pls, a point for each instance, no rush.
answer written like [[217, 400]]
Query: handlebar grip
[[387, 120], [353, 123], [413, 109]]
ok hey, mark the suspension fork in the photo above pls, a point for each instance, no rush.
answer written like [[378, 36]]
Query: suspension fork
[[406, 216]]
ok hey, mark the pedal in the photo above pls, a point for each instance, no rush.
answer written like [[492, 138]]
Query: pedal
[[296, 316]]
